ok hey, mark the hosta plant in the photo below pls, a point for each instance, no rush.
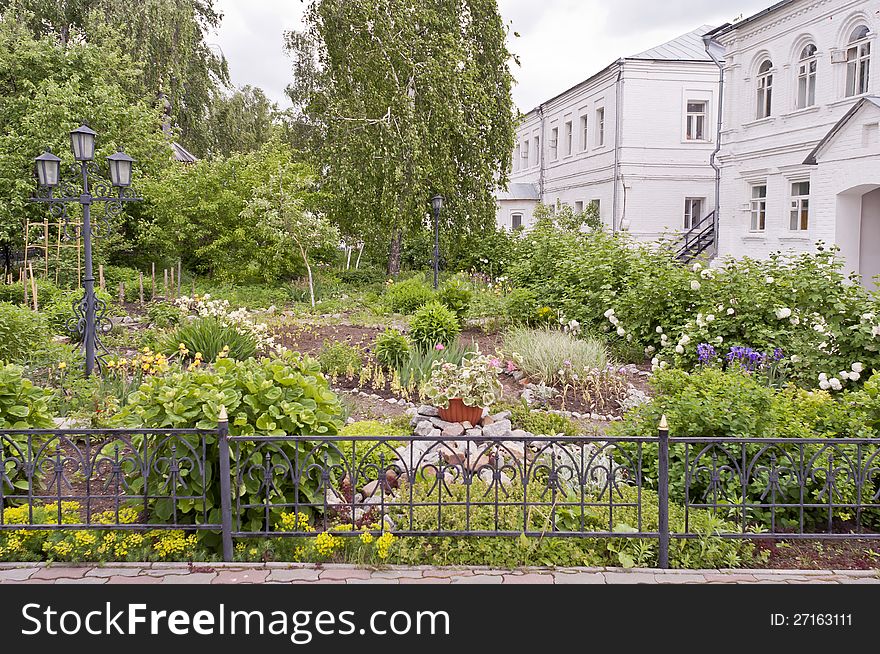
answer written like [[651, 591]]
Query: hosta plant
[[474, 382], [286, 395]]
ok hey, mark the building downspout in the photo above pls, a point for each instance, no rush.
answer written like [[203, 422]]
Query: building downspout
[[618, 113], [540, 155], [714, 50]]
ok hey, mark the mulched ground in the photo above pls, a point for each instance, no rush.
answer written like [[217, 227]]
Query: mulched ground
[[822, 555]]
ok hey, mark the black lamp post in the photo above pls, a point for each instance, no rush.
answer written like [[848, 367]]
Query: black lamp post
[[90, 312], [437, 204]]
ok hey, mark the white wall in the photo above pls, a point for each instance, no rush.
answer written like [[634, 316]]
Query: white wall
[[869, 264], [773, 150]]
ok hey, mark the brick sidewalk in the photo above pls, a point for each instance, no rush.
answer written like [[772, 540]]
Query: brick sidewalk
[[285, 573]]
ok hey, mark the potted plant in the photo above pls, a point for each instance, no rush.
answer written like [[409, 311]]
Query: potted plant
[[462, 392]]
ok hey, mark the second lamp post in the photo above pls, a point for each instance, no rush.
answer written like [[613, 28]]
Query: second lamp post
[[437, 204]]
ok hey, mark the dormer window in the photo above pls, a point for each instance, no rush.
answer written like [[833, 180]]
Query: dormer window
[[765, 89], [858, 62], [806, 86]]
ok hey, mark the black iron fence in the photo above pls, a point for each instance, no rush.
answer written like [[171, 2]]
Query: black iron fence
[[583, 487]]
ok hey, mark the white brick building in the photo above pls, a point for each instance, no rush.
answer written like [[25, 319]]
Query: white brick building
[[636, 138], [800, 141]]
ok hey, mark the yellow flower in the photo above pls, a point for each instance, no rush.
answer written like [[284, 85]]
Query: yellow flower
[[62, 365], [383, 544], [366, 538]]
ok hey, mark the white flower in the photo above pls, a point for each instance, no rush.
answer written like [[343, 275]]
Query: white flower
[[614, 321], [858, 367], [769, 280], [697, 267], [664, 365], [695, 285], [659, 330], [655, 361], [835, 384], [679, 349], [621, 331], [783, 312], [650, 350], [824, 385], [795, 358], [710, 318], [854, 376], [794, 320], [822, 376], [609, 313], [719, 340], [731, 311], [843, 374], [875, 332], [867, 317], [685, 340], [707, 274]]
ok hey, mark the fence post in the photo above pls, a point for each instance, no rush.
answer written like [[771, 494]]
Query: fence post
[[225, 484], [663, 493]]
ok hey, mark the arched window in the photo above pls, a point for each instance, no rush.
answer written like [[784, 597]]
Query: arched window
[[858, 62], [806, 93], [765, 89]]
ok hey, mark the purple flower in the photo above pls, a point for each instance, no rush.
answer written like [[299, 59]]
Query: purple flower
[[706, 353]]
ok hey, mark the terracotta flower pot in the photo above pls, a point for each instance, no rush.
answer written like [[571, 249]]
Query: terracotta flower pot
[[458, 411]]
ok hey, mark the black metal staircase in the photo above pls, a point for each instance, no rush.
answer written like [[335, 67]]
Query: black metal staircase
[[698, 240]]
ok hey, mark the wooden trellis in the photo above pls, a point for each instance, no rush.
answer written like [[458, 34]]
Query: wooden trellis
[[42, 234]]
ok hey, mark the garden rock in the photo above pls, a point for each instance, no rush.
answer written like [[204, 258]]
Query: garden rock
[[424, 429], [453, 430], [429, 411], [497, 429]]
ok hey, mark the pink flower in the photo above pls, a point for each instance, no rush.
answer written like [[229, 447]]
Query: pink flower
[[511, 366], [567, 363], [439, 347], [496, 363]]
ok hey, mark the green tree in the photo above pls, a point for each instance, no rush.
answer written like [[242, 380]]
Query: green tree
[[233, 217], [47, 89], [243, 121], [407, 99], [168, 36]]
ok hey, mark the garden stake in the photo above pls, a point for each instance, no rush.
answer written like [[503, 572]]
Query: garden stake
[[141, 288], [34, 286], [153, 282], [225, 483], [101, 282], [663, 493]]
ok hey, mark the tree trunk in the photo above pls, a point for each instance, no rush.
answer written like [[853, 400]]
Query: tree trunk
[[309, 271], [395, 253]]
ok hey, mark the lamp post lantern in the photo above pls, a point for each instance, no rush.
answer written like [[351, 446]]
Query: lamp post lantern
[[437, 204], [88, 184]]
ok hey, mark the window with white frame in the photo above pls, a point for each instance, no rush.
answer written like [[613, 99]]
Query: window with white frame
[[693, 211], [579, 207], [554, 144], [516, 220], [806, 82], [600, 127], [759, 208], [696, 120], [597, 206], [858, 62], [517, 155], [765, 89], [536, 150], [526, 161], [800, 206], [585, 133], [568, 138]]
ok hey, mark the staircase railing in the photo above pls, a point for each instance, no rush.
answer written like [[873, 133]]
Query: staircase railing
[[698, 239]]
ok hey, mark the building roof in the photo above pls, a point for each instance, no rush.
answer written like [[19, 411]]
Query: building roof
[[519, 192], [728, 27], [687, 47], [871, 99], [181, 154]]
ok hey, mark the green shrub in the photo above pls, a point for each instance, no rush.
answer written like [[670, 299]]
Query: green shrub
[[340, 359], [521, 306], [542, 423], [130, 278], [21, 332], [362, 277], [287, 395], [392, 349], [59, 312], [547, 354], [164, 315], [408, 296], [726, 404], [456, 295], [433, 325], [210, 337], [47, 293]]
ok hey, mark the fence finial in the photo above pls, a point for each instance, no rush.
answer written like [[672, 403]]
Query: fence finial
[[223, 416], [664, 425]]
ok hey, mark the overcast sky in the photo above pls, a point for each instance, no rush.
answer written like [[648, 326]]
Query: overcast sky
[[561, 42]]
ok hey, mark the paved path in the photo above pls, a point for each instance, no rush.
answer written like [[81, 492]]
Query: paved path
[[292, 573]]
